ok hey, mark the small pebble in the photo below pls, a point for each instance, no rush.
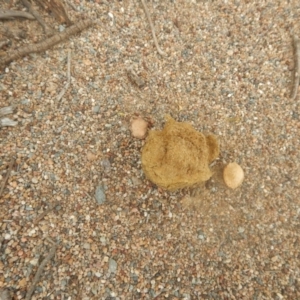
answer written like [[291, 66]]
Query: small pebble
[[7, 236], [34, 262], [241, 229], [61, 28], [100, 195], [25, 101], [14, 184], [112, 268], [105, 163], [96, 109], [34, 180], [135, 181], [87, 246], [91, 156]]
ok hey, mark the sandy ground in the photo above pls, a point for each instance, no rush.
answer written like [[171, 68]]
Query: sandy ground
[[228, 71]]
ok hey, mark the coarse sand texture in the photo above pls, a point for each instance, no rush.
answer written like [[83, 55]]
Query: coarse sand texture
[[178, 156]]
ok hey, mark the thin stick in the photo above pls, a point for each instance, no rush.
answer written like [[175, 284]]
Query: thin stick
[[88, 195], [162, 53], [72, 5], [296, 68], [48, 30], [11, 164], [11, 14], [61, 94], [57, 8], [39, 272], [48, 43], [50, 240]]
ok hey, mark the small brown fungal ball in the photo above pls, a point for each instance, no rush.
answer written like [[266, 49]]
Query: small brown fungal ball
[[233, 175], [139, 128], [178, 156]]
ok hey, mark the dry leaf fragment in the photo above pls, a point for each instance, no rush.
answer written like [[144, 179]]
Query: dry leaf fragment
[[233, 175]]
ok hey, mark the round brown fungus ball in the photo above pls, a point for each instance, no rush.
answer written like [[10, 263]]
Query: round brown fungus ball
[[139, 128], [233, 175], [178, 156]]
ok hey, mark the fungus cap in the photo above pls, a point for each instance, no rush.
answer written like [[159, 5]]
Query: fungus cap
[[233, 175], [139, 128]]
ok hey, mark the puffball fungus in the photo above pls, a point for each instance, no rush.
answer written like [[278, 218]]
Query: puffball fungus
[[233, 175], [178, 156], [139, 128]]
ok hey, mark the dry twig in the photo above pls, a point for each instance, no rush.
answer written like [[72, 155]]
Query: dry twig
[[296, 68], [46, 44], [39, 272], [61, 94], [42, 215], [72, 5], [57, 8], [50, 240], [11, 164], [48, 30], [6, 121], [11, 14], [162, 53]]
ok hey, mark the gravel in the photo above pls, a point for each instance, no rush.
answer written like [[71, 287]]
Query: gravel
[[100, 195], [229, 72], [112, 268]]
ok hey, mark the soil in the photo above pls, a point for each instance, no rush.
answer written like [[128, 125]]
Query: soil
[[228, 71]]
